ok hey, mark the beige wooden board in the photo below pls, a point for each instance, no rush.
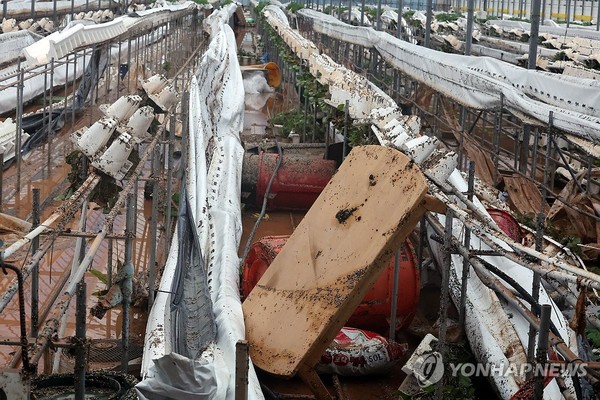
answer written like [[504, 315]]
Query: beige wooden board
[[524, 195], [327, 266]]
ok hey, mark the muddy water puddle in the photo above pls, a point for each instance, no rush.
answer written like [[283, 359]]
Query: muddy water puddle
[[273, 224]]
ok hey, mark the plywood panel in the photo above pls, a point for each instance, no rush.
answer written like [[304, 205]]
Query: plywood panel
[[524, 195], [337, 252]]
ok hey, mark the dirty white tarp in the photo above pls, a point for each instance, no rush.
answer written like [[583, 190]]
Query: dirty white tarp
[[213, 184], [479, 82]]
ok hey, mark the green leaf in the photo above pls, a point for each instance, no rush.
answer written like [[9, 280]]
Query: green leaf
[[102, 277]]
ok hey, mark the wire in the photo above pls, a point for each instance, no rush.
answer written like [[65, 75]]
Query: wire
[[264, 205]]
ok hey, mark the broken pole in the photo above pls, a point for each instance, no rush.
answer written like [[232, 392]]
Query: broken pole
[[242, 360]]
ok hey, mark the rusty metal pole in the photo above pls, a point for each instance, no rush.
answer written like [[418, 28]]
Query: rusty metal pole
[[469, 34], [346, 121], [534, 155], [542, 351], [428, 20], [35, 273], [399, 28], [80, 346], [49, 157], [241, 370], [534, 33], [1, 178], [467, 243], [497, 133], [539, 234], [395, 295], [19, 136], [126, 286], [153, 227], [445, 295], [22, 317]]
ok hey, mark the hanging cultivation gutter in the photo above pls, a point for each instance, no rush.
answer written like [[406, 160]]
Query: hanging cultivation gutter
[[478, 82]]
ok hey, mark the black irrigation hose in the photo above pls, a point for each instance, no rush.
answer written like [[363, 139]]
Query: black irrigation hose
[[521, 290]]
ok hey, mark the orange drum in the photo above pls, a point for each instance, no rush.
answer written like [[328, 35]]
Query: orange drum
[[374, 311]]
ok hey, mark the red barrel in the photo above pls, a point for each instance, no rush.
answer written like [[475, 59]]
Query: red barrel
[[374, 311], [507, 224], [298, 183]]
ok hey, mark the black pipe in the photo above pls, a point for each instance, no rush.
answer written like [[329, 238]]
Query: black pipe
[[24, 343]]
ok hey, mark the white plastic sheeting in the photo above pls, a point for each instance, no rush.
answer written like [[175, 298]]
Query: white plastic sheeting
[[35, 83], [24, 6], [213, 184], [12, 43], [561, 31], [497, 332], [479, 82], [221, 122], [59, 44]]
